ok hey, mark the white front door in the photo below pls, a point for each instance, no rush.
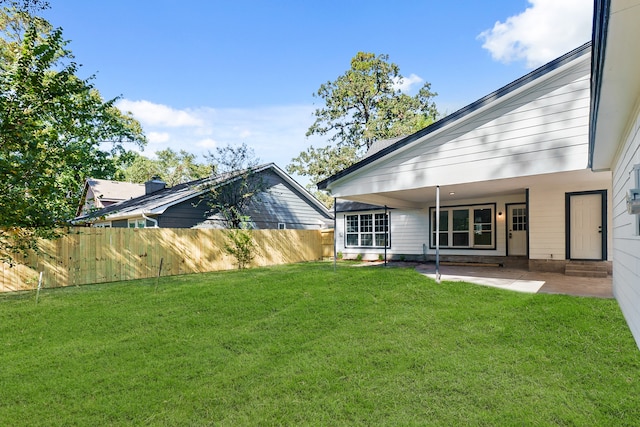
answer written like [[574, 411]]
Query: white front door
[[585, 216], [517, 229]]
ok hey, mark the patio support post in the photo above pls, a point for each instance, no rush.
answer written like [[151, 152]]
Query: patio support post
[[335, 236], [386, 229], [437, 234]]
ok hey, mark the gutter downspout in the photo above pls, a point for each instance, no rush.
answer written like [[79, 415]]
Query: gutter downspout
[[155, 221]]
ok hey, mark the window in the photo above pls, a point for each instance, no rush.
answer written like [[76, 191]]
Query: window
[[369, 230], [137, 223], [465, 227], [282, 226]]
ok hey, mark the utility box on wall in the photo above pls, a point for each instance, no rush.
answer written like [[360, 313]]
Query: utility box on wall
[[633, 195], [633, 201]]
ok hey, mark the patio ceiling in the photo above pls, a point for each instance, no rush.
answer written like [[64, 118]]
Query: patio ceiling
[[419, 198]]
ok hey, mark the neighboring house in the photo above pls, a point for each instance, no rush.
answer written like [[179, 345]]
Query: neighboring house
[[285, 204], [101, 193], [513, 178], [615, 139]]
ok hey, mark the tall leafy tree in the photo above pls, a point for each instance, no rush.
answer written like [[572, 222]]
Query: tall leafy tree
[[170, 166], [361, 106], [55, 130], [236, 167]]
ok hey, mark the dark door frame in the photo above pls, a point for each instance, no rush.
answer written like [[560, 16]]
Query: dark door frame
[[506, 225], [567, 211]]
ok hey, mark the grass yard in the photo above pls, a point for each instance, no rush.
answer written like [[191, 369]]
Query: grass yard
[[304, 345]]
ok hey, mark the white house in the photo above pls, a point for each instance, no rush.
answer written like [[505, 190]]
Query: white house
[[513, 178], [615, 139]]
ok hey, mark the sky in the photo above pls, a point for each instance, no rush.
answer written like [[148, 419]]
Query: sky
[[201, 74]]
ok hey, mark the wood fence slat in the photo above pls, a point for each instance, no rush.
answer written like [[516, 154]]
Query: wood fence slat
[[98, 255]]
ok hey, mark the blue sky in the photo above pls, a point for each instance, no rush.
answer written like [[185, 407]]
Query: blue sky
[[200, 74]]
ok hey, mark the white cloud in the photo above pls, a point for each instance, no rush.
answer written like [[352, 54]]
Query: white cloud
[[157, 137], [207, 143], [544, 31], [276, 133], [152, 114], [407, 83]]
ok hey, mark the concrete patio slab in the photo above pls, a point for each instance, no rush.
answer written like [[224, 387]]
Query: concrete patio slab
[[518, 280]]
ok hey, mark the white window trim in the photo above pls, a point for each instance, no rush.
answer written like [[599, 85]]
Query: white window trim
[[136, 222], [450, 232], [282, 226], [373, 232]]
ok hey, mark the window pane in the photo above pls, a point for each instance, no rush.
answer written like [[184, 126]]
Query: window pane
[[381, 223], [367, 239], [460, 239], [366, 223], [444, 239], [352, 240], [482, 239], [482, 216], [381, 240], [461, 220], [444, 220], [352, 223]]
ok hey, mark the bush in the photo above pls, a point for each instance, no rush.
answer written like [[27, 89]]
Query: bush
[[241, 246]]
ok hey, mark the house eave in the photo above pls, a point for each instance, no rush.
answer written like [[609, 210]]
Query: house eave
[[476, 107], [615, 86]]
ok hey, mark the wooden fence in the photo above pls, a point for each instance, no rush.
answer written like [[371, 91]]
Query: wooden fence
[[97, 255]]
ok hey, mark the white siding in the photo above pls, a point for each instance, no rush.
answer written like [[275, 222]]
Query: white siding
[[543, 129], [626, 242], [547, 212], [409, 232]]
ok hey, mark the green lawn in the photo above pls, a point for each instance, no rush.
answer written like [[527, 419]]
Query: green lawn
[[304, 345]]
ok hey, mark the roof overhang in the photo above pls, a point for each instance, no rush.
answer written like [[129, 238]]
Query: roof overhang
[[420, 198], [615, 78], [459, 117]]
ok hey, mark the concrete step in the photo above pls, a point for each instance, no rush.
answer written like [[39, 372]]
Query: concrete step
[[586, 269]]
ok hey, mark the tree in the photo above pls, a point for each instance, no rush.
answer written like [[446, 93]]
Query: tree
[[241, 245], [362, 106], [55, 129], [170, 166], [236, 168]]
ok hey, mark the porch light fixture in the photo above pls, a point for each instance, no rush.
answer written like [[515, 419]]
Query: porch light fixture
[[500, 213]]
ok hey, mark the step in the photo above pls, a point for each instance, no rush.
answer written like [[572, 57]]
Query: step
[[586, 269], [585, 273]]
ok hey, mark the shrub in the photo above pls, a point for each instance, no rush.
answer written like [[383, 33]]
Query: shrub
[[240, 245]]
